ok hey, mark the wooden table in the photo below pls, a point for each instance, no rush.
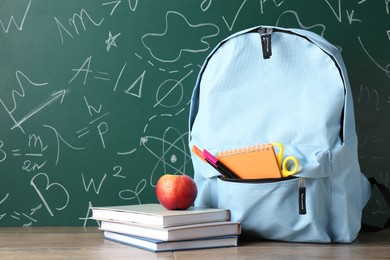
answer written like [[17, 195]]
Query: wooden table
[[87, 243]]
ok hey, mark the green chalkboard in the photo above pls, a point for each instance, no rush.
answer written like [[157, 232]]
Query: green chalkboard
[[94, 95]]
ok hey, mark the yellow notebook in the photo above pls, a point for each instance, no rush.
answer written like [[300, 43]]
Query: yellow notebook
[[254, 162]]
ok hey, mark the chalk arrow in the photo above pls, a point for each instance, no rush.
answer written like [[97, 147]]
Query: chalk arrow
[[143, 140], [55, 96]]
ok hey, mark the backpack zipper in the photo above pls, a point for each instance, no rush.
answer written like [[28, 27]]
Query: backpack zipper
[[302, 195], [301, 187], [263, 180], [265, 36]]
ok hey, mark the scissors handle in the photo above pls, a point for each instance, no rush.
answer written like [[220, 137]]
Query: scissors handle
[[280, 153], [285, 171]]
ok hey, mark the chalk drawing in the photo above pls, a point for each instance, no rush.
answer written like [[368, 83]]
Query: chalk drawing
[[337, 12], [88, 215], [204, 6], [84, 68], [169, 36], [115, 3], [351, 19], [21, 94], [92, 183], [111, 40], [135, 88], [12, 20], [321, 27], [166, 89], [385, 69], [72, 21], [173, 146], [53, 97], [48, 186], [61, 140], [3, 154], [230, 26], [128, 194], [263, 1]]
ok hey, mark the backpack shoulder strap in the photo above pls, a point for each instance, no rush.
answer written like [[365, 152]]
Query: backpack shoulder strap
[[386, 195]]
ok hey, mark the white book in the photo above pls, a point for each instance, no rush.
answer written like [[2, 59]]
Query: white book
[[161, 246], [175, 233], [156, 214]]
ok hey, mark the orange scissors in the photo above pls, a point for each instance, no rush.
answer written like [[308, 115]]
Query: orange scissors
[[283, 163]]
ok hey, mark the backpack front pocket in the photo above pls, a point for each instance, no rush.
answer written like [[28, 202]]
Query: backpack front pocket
[[295, 208], [271, 210]]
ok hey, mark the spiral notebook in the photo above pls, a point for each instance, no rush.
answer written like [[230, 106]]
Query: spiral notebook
[[254, 162]]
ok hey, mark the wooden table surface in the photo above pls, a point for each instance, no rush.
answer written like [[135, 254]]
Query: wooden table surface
[[87, 243]]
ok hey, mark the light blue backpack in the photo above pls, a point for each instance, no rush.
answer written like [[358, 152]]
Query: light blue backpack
[[270, 84]]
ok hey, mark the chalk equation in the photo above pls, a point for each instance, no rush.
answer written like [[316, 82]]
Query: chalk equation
[[95, 95]]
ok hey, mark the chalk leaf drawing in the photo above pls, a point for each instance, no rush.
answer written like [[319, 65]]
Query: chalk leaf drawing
[[184, 41]]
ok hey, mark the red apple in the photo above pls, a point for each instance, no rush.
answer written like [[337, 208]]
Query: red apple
[[176, 191]]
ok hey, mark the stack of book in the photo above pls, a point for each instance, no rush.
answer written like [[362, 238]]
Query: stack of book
[[152, 227]]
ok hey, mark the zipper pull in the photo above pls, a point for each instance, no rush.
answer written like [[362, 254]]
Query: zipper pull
[[302, 195], [265, 36]]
